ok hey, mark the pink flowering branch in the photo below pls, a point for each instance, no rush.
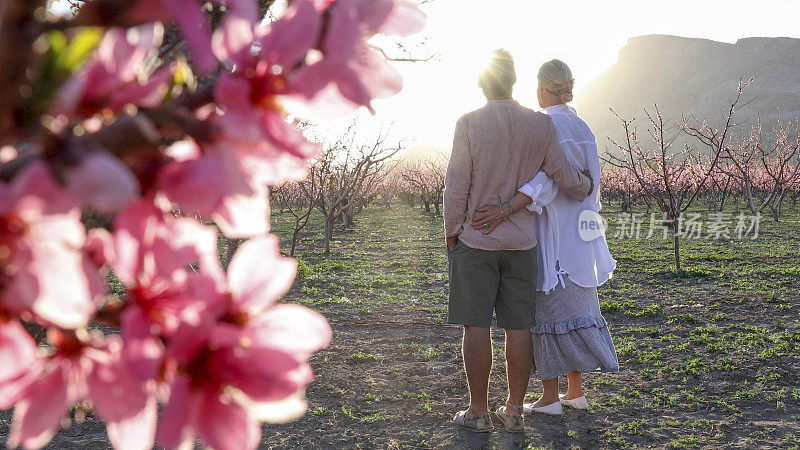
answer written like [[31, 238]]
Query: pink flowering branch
[[673, 178], [117, 131]]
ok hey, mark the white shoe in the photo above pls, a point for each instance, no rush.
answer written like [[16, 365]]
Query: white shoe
[[577, 403], [554, 408]]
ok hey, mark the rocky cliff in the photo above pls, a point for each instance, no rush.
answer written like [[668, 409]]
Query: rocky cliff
[[695, 76]]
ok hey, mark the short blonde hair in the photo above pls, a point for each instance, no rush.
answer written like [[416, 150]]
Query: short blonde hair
[[556, 78], [499, 76]]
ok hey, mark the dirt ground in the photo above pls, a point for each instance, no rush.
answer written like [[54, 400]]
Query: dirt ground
[[709, 358]]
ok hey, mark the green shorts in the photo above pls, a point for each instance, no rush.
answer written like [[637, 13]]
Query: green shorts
[[483, 282]]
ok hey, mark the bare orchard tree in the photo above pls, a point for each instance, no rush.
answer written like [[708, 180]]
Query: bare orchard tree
[[426, 179], [345, 175], [356, 203], [291, 197], [390, 185], [672, 178]]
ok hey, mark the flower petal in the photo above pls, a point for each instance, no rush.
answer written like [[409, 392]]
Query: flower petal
[[115, 393], [242, 216], [21, 364], [234, 35], [240, 120], [263, 374], [343, 34], [68, 285], [288, 40], [293, 329], [142, 351], [376, 77], [38, 415], [224, 425], [103, 182], [136, 432], [178, 416], [405, 19], [287, 137], [148, 94], [194, 28], [282, 411], [259, 275], [372, 14], [134, 231]]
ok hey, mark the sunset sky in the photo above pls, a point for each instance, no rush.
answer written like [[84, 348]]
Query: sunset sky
[[587, 35]]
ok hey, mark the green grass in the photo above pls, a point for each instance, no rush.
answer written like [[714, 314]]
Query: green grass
[[705, 353]]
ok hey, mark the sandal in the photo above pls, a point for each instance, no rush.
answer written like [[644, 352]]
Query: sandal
[[480, 424], [513, 423]]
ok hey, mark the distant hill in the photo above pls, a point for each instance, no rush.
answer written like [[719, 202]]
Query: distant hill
[[425, 153], [696, 76]]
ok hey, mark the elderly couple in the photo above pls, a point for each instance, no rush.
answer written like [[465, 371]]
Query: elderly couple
[[520, 212]]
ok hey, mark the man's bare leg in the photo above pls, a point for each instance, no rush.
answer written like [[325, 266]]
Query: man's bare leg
[[519, 361], [477, 351]]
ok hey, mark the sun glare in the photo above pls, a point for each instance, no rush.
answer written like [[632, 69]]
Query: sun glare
[[587, 35]]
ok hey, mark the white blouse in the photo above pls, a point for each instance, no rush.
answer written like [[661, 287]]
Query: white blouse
[[561, 249]]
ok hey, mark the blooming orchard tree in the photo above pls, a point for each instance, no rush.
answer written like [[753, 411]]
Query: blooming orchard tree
[[621, 185], [93, 120], [673, 178], [765, 164], [793, 187]]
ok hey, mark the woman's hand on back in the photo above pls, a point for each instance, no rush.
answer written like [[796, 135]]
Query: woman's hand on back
[[487, 218], [591, 181]]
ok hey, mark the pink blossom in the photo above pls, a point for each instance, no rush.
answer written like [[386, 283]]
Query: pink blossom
[[227, 179], [209, 378], [218, 185], [187, 14], [81, 368], [102, 182], [359, 73], [44, 268], [194, 26], [251, 364], [151, 255], [253, 122], [404, 19], [258, 276], [225, 354], [322, 5], [114, 77], [21, 364]]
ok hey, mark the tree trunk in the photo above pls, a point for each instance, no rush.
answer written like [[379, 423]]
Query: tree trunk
[[438, 208], [296, 232], [722, 201], [676, 249], [328, 232], [347, 219], [779, 208]]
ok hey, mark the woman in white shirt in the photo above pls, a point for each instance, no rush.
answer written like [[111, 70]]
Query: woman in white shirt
[[570, 335]]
